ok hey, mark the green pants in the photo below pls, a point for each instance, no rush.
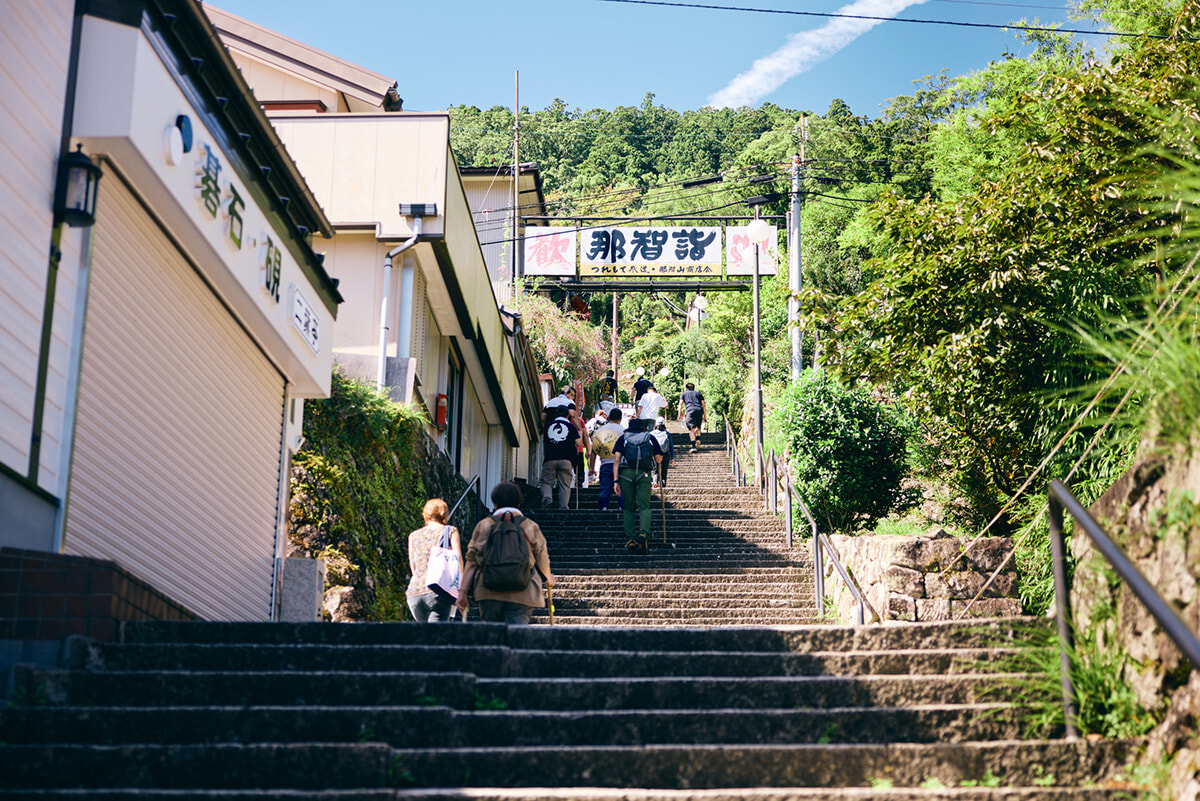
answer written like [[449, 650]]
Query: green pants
[[635, 490]]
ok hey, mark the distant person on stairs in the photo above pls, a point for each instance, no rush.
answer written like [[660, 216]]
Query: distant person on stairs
[[639, 455], [661, 434], [603, 440], [639, 387], [695, 412], [650, 404], [425, 604], [592, 426], [608, 387], [581, 447], [512, 607], [558, 456]]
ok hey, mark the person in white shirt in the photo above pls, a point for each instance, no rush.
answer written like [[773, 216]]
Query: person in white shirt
[[650, 404]]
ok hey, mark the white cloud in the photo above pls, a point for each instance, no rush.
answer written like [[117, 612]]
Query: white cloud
[[804, 50]]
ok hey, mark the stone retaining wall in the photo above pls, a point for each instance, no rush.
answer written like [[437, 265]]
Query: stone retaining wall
[[922, 578]]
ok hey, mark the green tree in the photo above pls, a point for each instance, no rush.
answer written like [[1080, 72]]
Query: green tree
[[973, 309]]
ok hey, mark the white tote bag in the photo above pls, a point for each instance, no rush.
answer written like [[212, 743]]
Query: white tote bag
[[444, 572]]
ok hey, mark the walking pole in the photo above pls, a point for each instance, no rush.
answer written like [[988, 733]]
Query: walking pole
[[662, 494]]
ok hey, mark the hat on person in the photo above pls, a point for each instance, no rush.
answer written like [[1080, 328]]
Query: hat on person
[[660, 421]]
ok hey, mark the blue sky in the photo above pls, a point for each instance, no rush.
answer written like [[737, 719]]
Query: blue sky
[[597, 54]]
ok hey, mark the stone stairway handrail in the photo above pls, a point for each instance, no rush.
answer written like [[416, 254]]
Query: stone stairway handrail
[[1060, 498], [780, 478]]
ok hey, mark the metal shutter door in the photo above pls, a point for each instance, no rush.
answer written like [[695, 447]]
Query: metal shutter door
[[178, 436]]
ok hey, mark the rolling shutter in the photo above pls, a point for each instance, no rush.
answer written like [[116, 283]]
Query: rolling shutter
[[176, 464]]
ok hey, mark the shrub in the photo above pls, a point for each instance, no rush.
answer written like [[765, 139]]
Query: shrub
[[356, 493], [848, 452]]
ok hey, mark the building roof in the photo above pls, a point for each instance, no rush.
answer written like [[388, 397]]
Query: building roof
[[363, 89]]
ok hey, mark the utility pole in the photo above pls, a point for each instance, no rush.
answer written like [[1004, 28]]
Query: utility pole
[[516, 171], [616, 307], [795, 281]]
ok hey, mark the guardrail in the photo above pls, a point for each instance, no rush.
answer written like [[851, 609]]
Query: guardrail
[[473, 483], [772, 476], [1060, 499]]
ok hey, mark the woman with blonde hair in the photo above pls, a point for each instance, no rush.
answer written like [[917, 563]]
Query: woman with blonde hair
[[430, 605]]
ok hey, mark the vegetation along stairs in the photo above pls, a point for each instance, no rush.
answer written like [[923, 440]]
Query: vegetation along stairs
[[654, 709], [716, 557]]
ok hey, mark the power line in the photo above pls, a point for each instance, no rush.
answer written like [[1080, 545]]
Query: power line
[[834, 15]]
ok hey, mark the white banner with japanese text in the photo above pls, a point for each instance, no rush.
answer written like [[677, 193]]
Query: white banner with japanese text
[[549, 251], [636, 250]]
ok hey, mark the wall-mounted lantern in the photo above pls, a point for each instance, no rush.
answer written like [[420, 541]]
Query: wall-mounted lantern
[[75, 194]]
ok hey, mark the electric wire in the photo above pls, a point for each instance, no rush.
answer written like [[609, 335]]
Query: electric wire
[[838, 15]]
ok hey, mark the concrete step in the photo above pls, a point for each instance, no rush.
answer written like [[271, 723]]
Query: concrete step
[[501, 661], [672, 766], [669, 766], [803, 639], [443, 727], [794, 692], [591, 794], [460, 690]]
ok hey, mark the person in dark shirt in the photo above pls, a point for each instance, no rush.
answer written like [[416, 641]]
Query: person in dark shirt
[[639, 388], [608, 387], [695, 411], [558, 457]]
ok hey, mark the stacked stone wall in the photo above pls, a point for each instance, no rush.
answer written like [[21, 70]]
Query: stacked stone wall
[[925, 578]]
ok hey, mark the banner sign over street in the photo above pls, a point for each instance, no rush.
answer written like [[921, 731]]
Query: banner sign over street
[[644, 251], [549, 251], [739, 252]]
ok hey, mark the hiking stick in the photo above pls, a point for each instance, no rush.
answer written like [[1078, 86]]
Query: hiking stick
[[662, 495]]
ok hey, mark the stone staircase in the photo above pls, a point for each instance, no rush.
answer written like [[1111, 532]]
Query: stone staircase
[[675, 699], [716, 558], [484, 711]]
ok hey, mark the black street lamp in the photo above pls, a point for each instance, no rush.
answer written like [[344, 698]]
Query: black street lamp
[[75, 193]]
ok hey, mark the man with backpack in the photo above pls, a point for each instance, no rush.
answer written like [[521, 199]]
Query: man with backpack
[[639, 455], [507, 563]]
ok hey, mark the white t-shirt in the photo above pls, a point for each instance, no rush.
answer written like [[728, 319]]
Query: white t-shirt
[[649, 405]]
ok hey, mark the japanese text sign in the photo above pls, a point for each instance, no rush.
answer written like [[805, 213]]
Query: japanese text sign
[[739, 255]]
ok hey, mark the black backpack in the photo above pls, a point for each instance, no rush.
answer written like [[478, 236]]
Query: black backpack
[[505, 562], [639, 451]]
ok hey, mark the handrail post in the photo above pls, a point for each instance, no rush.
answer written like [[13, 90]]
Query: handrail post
[[787, 497], [773, 489], [1062, 598], [819, 575]]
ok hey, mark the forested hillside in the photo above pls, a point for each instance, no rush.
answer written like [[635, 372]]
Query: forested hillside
[[965, 252]]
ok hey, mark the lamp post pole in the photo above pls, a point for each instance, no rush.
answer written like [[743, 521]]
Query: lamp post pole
[[758, 396]]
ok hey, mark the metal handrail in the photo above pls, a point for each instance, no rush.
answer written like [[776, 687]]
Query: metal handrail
[[473, 483], [821, 543], [1060, 498]]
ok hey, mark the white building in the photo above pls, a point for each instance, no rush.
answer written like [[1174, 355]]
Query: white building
[[155, 363], [424, 322]]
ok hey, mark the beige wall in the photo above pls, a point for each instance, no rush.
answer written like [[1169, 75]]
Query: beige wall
[[363, 166], [33, 82]]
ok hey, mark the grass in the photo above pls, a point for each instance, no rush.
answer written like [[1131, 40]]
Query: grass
[[1107, 705]]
